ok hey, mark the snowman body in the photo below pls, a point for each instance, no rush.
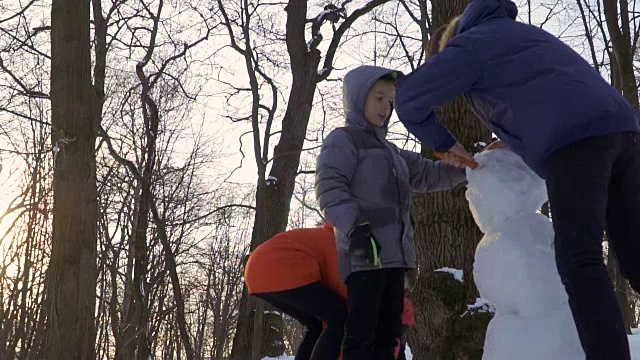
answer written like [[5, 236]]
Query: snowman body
[[514, 265]]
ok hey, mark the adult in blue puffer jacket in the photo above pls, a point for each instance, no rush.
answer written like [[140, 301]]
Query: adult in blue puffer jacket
[[569, 125]]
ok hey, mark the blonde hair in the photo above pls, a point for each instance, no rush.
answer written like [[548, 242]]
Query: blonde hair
[[441, 37], [450, 31]]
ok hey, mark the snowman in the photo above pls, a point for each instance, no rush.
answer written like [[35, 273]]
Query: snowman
[[514, 266]]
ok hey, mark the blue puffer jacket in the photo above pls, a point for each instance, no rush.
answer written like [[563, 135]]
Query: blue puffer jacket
[[527, 86]]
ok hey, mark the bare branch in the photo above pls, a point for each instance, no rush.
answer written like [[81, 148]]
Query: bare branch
[[227, 23], [170, 265], [25, 90], [208, 214], [550, 13], [589, 36], [23, 9], [112, 151], [241, 159], [331, 13], [337, 36], [181, 54], [307, 206], [24, 116]]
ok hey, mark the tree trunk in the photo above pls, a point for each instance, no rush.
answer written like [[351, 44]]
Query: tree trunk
[[71, 278], [447, 236], [273, 199], [171, 267], [126, 346], [622, 49]]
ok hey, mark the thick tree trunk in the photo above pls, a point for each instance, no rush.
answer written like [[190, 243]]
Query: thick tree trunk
[[445, 328], [446, 236], [71, 278], [273, 199]]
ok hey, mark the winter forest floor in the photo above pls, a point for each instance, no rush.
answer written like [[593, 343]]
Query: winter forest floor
[[634, 343]]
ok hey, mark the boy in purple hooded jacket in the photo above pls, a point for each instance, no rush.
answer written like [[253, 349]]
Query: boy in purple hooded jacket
[[568, 124]]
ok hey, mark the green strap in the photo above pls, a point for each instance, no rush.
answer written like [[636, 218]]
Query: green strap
[[376, 257]]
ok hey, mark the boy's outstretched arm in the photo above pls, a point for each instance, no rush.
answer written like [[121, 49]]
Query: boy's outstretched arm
[[426, 175], [441, 79], [335, 166]]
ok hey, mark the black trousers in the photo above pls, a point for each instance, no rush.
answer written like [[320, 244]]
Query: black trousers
[[312, 305], [594, 184], [374, 323]]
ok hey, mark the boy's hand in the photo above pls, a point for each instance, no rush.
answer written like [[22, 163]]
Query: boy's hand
[[459, 157], [498, 144], [364, 244]]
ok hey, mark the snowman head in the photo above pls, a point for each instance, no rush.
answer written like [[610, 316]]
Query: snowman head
[[501, 187]]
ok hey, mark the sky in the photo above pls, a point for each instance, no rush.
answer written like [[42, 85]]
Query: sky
[[211, 106]]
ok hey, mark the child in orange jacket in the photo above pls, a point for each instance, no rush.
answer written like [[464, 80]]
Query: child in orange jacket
[[297, 272]]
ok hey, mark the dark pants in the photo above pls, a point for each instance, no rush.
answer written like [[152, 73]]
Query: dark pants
[[374, 323], [594, 184], [312, 305]]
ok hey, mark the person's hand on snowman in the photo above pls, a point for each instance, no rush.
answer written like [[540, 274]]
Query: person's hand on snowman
[[498, 144], [457, 156]]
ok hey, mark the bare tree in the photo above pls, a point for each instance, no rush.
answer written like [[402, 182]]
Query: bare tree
[[24, 135], [172, 238], [24, 248], [134, 336], [71, 278], [307, 67], [224, 274], [623, 49]]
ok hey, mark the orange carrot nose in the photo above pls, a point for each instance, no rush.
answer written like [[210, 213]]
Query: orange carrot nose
[[468, 162]]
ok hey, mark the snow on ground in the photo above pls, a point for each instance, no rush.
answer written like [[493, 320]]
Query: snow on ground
[[285, 357], [634, 342], [407, 353]]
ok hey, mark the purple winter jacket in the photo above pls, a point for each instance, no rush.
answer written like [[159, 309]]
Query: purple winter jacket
[[362, 177], [532, 90]]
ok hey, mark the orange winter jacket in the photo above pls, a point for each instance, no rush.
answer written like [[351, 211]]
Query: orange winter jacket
[[293, 259]]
